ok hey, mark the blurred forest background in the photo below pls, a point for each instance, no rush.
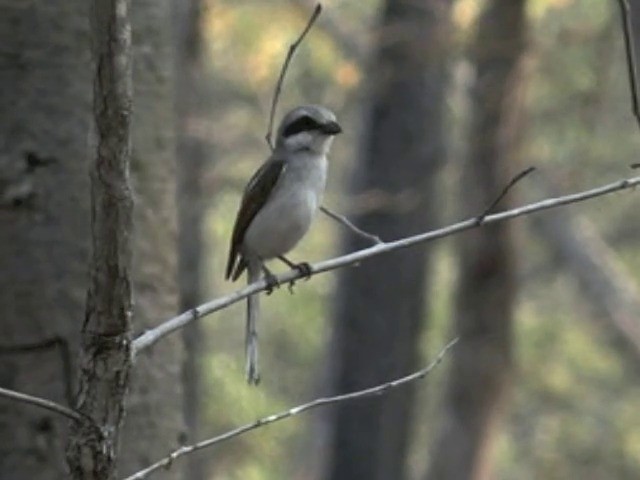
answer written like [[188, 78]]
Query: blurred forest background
[[442, 102], [572, 407]]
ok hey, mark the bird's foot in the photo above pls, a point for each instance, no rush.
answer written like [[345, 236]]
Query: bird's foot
[[304, 269], [272, 281]]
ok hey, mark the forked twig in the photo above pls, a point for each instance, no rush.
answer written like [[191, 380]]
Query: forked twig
[[283, 71], [505, 190]]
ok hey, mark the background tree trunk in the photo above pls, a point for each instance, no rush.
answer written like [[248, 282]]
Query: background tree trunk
[[154, 423], [381, 304], [482, 360], [45, 114], [45, 119], [192, 154], [602, 279]]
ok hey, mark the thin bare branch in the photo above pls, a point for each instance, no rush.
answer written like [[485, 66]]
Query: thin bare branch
[[630, 52], [342, 33], [54, 342], [345, 221], [381, 389], [505, 190], [150, 337], [42, 403], [292, 50]]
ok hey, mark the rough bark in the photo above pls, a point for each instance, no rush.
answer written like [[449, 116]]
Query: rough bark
[[45, 120], [482, 362], [191, 157], [105, 356], [381, 304], [45, 114]]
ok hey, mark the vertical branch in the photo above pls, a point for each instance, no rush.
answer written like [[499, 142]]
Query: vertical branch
[[192, 155], [105, 357], [630, 53], [283, 71]]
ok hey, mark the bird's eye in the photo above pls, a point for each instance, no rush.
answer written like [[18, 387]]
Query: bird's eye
[[302, 124]]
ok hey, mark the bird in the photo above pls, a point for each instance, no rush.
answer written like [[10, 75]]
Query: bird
[[278, 206]]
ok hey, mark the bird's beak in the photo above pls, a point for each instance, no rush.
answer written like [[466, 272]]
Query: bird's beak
[[331, 128]]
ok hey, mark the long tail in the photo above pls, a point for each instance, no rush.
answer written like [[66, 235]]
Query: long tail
[[251, 334]]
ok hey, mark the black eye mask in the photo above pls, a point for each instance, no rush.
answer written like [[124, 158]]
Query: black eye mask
[[303, 124]]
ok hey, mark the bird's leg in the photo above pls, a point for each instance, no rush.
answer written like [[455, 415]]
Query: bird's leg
[[270, 278], [303, 267]]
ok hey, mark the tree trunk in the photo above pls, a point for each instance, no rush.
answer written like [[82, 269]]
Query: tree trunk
[[192, 155], [482, 360], [45, 115], [154, 423], [45, 120], [381, 304], [105, 351]]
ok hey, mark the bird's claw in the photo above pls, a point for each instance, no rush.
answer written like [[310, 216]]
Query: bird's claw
[[304, 269], [272, 282]]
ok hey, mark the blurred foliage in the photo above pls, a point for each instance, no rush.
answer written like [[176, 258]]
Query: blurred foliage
[[574, 410]]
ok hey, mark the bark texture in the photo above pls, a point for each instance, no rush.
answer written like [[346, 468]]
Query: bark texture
[[46, 78], [45, 114], [482, 361], [381, 304], [105, 356]]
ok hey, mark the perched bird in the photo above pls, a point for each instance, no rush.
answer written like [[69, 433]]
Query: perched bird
[[278, 206]]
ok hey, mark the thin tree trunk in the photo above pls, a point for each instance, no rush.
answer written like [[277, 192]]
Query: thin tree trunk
[[192, 154], [381, 304], [482, 361], [105, 356]]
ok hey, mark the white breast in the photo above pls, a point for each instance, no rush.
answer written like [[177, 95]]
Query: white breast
[[291, 208]]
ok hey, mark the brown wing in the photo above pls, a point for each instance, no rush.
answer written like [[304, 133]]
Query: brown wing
[[255, 195]]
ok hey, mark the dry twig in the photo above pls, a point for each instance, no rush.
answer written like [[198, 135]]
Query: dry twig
[[42, 403], [345, 221], [505, 190], [292, 50], [150, 337], [167, 461]]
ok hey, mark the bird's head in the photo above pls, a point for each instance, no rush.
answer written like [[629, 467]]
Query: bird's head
[[310, 127]]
